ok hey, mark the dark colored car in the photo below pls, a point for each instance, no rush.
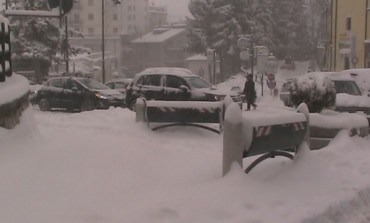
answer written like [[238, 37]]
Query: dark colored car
[[173, 84], [119, 84], [76, 93]]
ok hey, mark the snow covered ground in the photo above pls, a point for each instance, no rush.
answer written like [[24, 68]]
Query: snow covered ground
[[101, 166]]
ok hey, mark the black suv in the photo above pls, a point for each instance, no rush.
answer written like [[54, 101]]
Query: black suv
[[173, 84], [78, 93]]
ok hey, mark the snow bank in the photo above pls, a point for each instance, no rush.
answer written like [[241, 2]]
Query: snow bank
[[13, 88]]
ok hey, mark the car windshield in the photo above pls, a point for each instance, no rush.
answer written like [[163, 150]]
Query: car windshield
[[93, 84], [197, 82], [348, 87]]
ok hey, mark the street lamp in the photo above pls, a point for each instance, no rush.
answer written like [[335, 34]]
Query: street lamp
[[116, 2]]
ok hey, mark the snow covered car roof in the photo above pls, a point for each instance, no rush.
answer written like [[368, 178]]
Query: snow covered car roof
[[168, 70]]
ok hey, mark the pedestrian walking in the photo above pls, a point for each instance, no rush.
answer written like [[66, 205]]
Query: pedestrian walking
[[250, 92]]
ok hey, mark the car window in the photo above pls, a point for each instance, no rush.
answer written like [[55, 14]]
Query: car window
[[174, 82], [286, 86], [121, 85], [197, 82], [56, 83], [70, 84], [152, 80], [348, 87], [93, 84]]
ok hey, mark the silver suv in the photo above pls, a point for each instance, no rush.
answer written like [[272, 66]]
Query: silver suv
[[173, 84]]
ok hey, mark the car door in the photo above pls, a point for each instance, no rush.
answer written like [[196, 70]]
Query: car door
[[55, 92], [71, 94], [151, 87], [175, 89]]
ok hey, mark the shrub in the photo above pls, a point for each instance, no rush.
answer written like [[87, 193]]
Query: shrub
[[317, 91]]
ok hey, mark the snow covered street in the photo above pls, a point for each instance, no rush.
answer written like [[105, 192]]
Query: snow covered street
[[101, 166]]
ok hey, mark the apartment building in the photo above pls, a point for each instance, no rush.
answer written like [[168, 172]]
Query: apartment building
[[348, 27], [128, 17], [157, 16], [162, 47]]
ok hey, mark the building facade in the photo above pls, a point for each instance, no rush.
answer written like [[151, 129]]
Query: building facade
[[348, 29], [162, 47], [157, 16], [128, 17]]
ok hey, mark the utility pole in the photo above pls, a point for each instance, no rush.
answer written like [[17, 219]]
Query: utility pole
[[66, 43], [103, 41]]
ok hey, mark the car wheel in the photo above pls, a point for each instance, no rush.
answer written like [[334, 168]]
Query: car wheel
[[87, 105], [44, 104]]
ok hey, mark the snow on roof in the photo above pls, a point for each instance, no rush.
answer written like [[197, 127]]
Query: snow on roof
[[197, 57], [168, 70], [159, 35]]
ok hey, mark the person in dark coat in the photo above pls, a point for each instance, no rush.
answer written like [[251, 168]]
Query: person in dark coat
[[250, 92]]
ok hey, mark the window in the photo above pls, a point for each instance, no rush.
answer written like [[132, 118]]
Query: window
[[152, 80], [115, 30], [91, 16], [174, 82], [121, 85], [76, 18], [347, 64], [90, 3], [58, 83], [115, 17], [348, 23], [91, 30], [70, 84]]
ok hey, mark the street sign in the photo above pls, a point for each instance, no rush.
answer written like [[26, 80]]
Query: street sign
[[271, 84], [244, 55], [210, 55], [243, 42], [271, 77], [262, 51]]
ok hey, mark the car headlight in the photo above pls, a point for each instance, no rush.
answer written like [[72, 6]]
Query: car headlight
[[219, 97], [100, 96]]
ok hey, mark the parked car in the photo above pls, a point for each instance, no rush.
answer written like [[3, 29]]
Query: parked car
[[285, 93], [76, 93], [173, 84], [119, 84], [349, 96]]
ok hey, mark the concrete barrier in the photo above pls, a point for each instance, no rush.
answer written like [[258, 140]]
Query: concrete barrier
[[180, 113], [249, 134]]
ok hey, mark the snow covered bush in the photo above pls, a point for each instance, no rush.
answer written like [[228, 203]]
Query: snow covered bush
[[317, 91]]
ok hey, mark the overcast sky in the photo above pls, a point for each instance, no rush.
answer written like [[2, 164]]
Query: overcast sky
[[177, 9]]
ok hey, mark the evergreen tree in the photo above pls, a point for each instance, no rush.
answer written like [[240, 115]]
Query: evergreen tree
[[217, 24], [33, 39], [290, 30], [261, 13]]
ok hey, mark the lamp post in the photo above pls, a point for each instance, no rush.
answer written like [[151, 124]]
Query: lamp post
[[103, 35]]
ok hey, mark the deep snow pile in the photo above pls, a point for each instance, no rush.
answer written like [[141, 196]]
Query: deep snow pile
[[101, 166]]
